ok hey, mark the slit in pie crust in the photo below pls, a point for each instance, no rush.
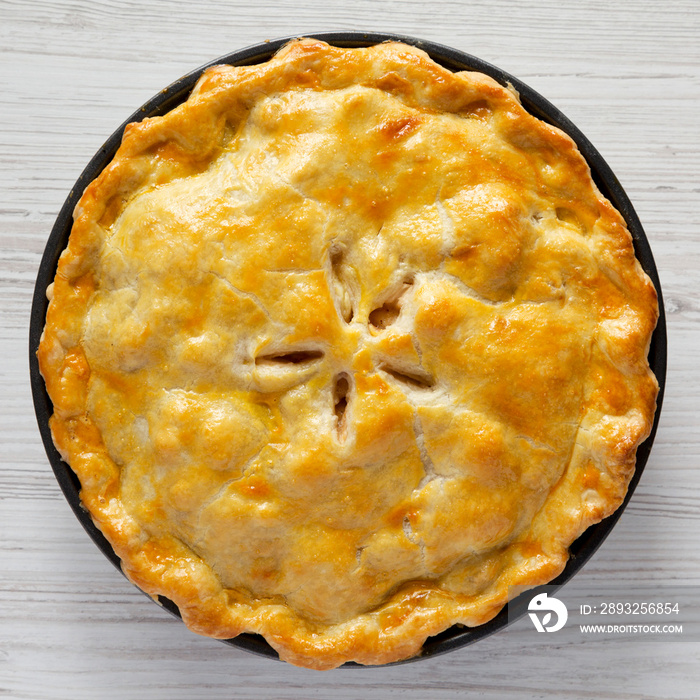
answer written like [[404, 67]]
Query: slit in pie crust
[[343, 348]]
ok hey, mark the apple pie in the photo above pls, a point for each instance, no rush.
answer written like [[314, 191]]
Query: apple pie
[[345, 347]]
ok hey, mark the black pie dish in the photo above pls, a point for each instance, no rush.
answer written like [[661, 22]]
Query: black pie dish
[[584, 547]]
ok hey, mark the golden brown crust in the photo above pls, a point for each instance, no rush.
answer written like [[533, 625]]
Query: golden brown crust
[[343, 348]]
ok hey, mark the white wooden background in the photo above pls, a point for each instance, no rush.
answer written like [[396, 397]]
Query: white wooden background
[[626, 72]]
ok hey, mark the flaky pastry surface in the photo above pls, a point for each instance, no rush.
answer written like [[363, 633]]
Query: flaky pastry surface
[[345, 346]]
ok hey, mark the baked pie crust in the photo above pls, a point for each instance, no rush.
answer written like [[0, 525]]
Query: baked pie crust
[[343, 348]]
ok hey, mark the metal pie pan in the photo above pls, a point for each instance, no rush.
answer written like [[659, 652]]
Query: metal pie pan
[[584, 547]]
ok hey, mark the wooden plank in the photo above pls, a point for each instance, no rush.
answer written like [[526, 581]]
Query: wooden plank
[[626, 73]]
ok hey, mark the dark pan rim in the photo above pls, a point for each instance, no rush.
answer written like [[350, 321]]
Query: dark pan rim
[[586, 545]]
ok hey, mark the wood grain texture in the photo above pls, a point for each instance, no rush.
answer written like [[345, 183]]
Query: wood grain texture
[[627, 73]]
